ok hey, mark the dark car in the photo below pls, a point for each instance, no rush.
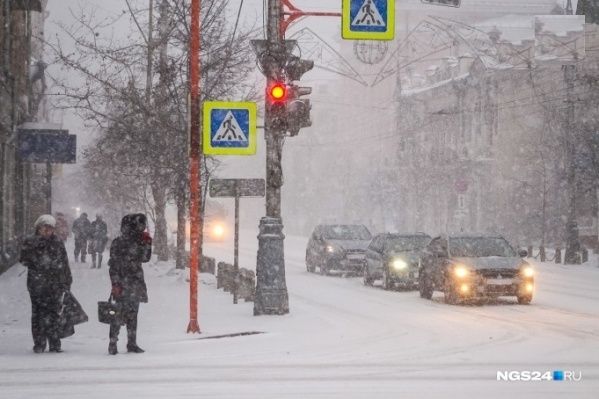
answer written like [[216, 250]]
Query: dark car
[[470, 266], [338, 247], [395, 259]]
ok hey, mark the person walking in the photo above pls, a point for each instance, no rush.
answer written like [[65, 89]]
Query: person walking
[[81, 230], [62, 227], [98, 239], [48, 279], [127, 253]]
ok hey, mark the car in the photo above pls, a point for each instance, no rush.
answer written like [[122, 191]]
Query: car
[[395, 259], [473, 266], [337, 247]]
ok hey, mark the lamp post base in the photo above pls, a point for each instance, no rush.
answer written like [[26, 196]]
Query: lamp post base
[[271, 288]]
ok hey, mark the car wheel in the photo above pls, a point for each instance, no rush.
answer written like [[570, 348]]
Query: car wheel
[[324, 269], [451, 296], [369, 281], [524, 299], [425, 287], [310, 267], [387, 282]]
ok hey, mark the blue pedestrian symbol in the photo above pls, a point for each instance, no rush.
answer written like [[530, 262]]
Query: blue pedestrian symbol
[[229, 128], [368, 16]]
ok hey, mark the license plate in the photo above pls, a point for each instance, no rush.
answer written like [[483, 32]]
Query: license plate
[[355, 256], [500, 281]]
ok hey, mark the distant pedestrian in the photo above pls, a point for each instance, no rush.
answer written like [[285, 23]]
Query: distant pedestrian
[[97, 240], [81, 231], [127, 253], [48, 279], [62, 227]]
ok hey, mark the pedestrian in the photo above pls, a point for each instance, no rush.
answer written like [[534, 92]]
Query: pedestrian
[[127, 253], [62, 227], [97, 240], [81, 230], [48, 279]]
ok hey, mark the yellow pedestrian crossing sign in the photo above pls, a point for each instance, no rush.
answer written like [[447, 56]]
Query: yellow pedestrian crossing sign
[[368, 19], [229, 128]]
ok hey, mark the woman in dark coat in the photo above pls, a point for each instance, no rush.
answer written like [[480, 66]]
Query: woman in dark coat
[[48, 278], [127, 253]]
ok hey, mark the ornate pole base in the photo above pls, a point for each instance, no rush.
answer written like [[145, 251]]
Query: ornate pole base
[[271, 288]]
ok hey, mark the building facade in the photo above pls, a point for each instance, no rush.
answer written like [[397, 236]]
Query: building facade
[[22, 86]]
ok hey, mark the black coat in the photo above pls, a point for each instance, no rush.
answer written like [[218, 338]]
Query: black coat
[[127, 253], [82, 228], [49, 274]]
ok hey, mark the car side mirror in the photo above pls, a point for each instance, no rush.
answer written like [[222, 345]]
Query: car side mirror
[[522, 253]]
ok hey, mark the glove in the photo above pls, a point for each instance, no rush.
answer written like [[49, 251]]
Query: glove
[[117, 290], [146, 238]]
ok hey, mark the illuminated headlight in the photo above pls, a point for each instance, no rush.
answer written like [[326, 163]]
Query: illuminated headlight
[[218, 230], [331, 248], [461, 271], [399, 264], [527, 271]]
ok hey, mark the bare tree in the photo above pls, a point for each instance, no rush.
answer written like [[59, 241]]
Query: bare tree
[[135, 96]]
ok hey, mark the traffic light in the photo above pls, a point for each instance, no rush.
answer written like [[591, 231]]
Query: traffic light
[[296, 67], [277, 92], [276, 106], [298, 109]]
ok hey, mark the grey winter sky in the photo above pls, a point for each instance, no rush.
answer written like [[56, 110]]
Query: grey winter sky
[[251, 15]]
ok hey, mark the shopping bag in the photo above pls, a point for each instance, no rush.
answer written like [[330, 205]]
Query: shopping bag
[[110, 312], [71, 314]]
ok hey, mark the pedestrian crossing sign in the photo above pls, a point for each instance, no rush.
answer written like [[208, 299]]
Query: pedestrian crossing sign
[[229, 128], [368, 19]]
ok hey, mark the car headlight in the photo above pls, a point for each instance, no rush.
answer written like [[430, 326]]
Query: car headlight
[[399, 264], [461, 271], [527, 271], [331, 248], [218, 230]]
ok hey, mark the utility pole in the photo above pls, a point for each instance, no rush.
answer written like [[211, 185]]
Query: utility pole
[[194, 165], [572, 255], [272, 297]]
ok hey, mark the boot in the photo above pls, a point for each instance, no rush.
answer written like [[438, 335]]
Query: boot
[[55, 346], [134, 348], [112, 350], [82, 258], [93, 263], [99, 261], [39, 349]]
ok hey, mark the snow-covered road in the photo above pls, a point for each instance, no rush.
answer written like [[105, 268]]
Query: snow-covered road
[[341, 339]]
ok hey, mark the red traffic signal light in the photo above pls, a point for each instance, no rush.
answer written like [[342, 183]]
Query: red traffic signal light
[[277, 92]]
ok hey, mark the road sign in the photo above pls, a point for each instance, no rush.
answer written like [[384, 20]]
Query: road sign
[[40, 145], [368, 19], [237, 187], [229, 128]]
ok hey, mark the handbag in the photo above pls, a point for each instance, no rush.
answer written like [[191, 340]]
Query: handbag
[[110, 312], [71, 314]]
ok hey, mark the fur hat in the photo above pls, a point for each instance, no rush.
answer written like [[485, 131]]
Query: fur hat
[[45, 220]]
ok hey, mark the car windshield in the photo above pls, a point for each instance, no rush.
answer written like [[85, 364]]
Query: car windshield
[[345, 232], [405, 243], [476, 247]]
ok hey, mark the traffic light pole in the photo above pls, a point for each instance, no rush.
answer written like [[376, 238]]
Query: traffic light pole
[[271, 287]]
